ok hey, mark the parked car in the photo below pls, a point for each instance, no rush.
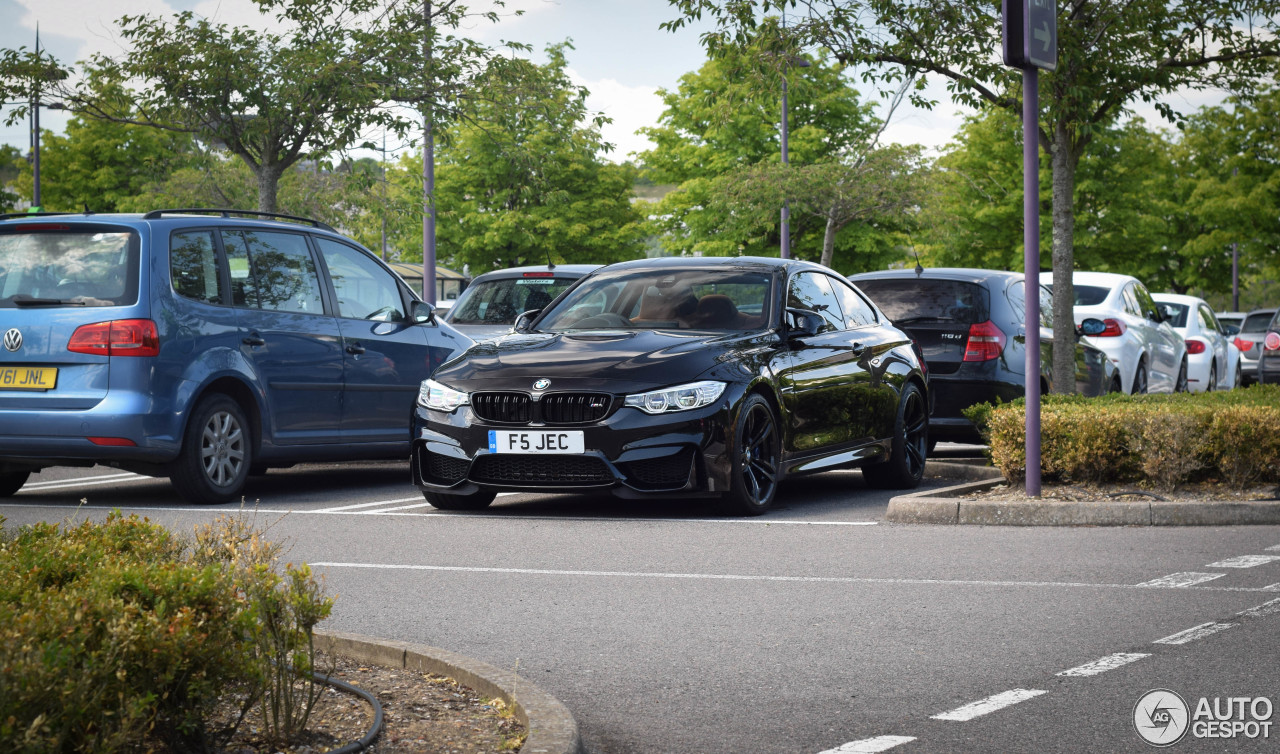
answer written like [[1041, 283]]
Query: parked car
[[199, 345], [1213, 361], [1149, 353], [491, 303], [684, 377], [1253, 331], [1231, 322], [970, 325], [1269, 360]]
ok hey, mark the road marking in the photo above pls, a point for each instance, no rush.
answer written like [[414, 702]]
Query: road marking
[[988, 705], [225, 508], [1110, 662], [1180, 580], [1192, 634], [1244, 561], [57, 484], [870, 745], [1263, 610], [1271, 588], [342, 508], [1273, 548]]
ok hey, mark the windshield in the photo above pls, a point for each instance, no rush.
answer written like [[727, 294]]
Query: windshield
[[68, 268], [500, 301], [683, 299], [907, 302]]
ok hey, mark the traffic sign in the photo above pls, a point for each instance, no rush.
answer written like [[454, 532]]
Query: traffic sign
[[1030, 33]]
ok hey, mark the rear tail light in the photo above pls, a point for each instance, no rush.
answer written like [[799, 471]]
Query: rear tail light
[[121, 337], [1272, 342], [1114, 329], [1195, 346], [1242, 344], [986, 342]]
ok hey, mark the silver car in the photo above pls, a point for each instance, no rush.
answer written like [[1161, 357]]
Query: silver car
[[1249, 340]]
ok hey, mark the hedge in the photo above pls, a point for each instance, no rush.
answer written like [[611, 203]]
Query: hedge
[[121, 636], [1160, 441]]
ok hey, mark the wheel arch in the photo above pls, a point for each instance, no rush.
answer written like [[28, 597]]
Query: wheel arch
[[243, 395]]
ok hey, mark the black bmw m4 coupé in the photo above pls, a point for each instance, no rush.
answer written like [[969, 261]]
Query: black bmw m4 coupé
[[678, 377]]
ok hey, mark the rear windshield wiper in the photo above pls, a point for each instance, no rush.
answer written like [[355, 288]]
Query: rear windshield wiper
[[23, 299]]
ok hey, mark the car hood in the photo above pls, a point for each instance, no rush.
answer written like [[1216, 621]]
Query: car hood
[[617, 361], [482, 332]]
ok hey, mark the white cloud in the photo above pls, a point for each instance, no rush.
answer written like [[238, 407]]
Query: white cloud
[[630, 107]]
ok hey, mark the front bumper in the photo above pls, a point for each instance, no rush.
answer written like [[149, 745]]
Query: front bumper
[[629, 452]]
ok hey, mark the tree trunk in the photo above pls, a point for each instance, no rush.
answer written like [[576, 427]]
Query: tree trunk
[[268, 186], [829, 242], [1064, 163]]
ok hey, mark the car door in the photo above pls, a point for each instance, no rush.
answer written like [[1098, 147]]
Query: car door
[[287, 334], [1213, 333], [823, 382], [1164, 345], [386, 354]]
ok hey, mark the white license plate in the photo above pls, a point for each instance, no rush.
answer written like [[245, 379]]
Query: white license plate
[[535, 441]]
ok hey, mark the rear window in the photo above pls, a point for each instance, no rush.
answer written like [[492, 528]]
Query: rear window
[[1090, 295], [499, 302], [1179, 312], [907, 301], [1256, 322], [65, 267]]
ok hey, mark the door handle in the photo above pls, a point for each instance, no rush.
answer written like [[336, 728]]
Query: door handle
[[355, 349], [253, 339], [858, 349]]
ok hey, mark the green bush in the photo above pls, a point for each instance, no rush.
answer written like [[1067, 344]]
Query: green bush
[[119, 635], [1158, 440]]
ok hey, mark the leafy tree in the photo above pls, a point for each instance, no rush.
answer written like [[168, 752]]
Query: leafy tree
[[11, 163], [1109, 56]]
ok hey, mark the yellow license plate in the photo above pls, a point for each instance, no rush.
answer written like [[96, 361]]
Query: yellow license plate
[[28, 378]]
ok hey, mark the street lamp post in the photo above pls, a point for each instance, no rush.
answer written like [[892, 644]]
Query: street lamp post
[[36, 104], [785, 251]]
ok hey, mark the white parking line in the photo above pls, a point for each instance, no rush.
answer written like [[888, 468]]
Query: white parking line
[[1110, 662], [870, 745], [1178, 580], [989, 705], [1244, 561], [1263, 610], [1198, 632], [1271, 588], [1273, 548], [57, 484], [341, 508]]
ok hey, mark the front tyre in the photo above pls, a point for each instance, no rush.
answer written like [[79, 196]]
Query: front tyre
[[756, 459], [470, 502], [12, 481], [905, 466], [1182, 386], [216, 454]]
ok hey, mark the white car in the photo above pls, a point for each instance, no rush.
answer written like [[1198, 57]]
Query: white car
[[1149, 354], [1213, 361]]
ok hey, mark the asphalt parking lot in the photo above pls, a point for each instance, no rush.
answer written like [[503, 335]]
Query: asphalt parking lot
[[814, 628]]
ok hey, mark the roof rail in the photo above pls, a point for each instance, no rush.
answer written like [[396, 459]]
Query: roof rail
[[156, 214], [13, 215]]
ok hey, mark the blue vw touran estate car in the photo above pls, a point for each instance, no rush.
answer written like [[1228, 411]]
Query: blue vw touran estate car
[[203, 345]]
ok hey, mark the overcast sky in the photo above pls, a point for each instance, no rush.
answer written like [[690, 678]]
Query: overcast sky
[[621, 55]]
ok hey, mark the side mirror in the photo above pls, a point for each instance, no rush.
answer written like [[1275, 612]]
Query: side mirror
[[806, 323], [422, 312], [1091, 326], [1231, 329], [525, 319]]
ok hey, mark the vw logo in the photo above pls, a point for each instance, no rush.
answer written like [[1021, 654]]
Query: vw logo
[[13, 339], [541, 384]]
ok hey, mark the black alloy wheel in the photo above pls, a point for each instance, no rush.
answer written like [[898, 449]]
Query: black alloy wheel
[[756, 455], [1213, 378], [1140, 379], [905, 466], [12, 481], [216, 453], [1181, 386], [466, 502]]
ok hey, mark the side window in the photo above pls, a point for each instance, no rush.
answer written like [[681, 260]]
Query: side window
[[1046, 307], [272, 271], [1131, 301], [857, 312], [810, 290], [193, 267], [365, 290], [1207, 320], [1016, 295], [1146, 304]]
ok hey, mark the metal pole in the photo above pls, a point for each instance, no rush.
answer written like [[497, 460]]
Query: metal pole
[[428, 181], [35, 153], [1235, 266], [785, 251], [383, 208], [1031, 268]]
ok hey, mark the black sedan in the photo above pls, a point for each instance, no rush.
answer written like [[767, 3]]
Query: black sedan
[[685, 378]]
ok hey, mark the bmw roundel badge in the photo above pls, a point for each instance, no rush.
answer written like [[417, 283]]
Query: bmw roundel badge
[[542, 384]]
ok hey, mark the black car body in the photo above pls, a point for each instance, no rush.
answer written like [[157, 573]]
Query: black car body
[[970, 325], [491, 302], [678, 377]]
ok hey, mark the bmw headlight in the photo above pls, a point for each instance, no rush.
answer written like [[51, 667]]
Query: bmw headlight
[[433, 395], [678, 398]]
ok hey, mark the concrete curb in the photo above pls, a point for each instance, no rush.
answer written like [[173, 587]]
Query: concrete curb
[[948, 506], [552, 729]]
